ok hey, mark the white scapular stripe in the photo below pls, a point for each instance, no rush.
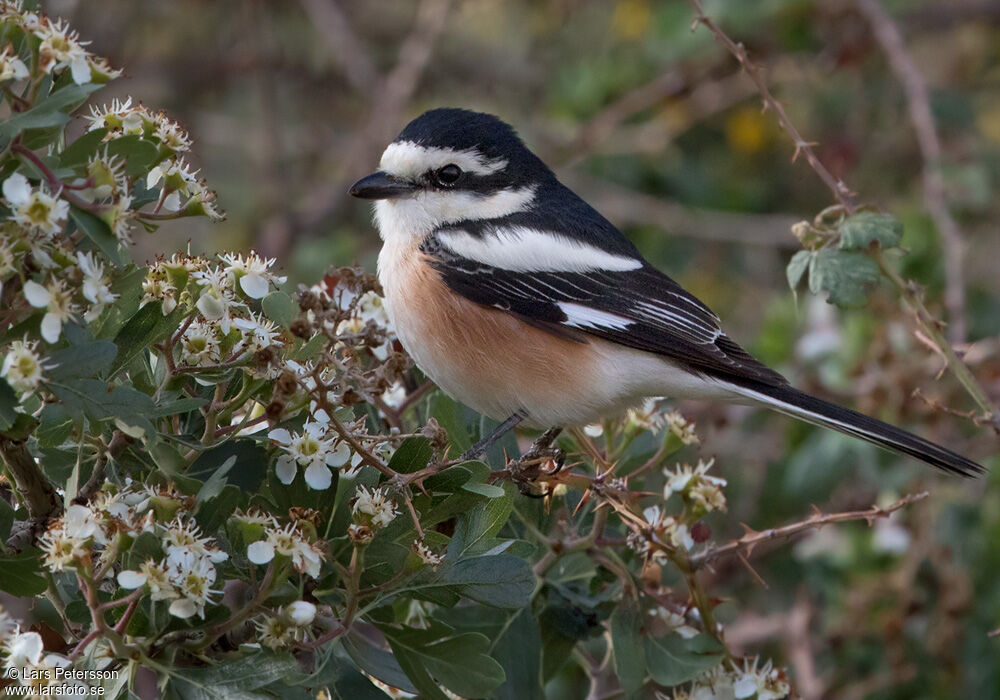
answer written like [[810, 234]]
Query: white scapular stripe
[[522, 249], [580, 316], [410, 160]]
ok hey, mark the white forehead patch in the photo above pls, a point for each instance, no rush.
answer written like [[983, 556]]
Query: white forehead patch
[[410, 160], [521, 249]]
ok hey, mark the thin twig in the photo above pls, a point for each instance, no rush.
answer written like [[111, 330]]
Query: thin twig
[[918, 103], [842, 193], [752, 538]]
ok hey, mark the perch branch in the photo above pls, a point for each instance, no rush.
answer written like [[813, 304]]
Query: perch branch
[[752, 538], [841, 191]]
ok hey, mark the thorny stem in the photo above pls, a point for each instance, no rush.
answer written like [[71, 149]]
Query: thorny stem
[[912, 297], [753, 538], [803, 147]]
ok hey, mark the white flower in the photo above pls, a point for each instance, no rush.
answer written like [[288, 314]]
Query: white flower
[[310, 449], [647, 417], [426, 555], [258, 332], [157, 578], [695, 483], [192, 575], [11, 66], [217, 299], [681, 427], [274, 633], [61, 48], [253, 273], [24, 649], [260, 552], [199, 345], [96, 285], [56, 300], [171, 134], [120, 118], [300, 613], [375, 504], [371, 307], [131, 579], [306, 557], [766, 683], [22, 366], [34, 209], [675, 622], [182, 539]]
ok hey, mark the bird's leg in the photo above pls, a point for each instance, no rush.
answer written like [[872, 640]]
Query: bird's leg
[[477, 450], [543, 444]]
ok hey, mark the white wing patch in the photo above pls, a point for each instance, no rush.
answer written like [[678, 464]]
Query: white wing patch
[[580, 316], [521, 249], [410, 160]]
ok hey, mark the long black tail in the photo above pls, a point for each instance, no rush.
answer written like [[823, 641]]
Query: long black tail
[[795, 403]]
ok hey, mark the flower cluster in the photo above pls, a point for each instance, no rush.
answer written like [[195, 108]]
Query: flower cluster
[[739, 681], [60, 48], [372, 510], [290, 623], [700, 490], [288, 541], [314, 449]]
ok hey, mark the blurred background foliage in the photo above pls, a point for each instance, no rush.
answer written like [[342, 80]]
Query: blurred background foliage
[[290, 101]]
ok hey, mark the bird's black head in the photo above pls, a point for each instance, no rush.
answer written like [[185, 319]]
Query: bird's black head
[[453, 150]]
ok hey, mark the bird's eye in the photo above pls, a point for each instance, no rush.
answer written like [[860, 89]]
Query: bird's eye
[[448, 175]]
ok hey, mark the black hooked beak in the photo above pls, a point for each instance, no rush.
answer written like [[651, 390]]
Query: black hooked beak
[[381, 185]]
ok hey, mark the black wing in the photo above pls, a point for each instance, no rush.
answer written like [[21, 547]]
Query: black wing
[[641, 308]]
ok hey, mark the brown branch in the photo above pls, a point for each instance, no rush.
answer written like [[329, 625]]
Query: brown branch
[[36, 490], [752, 538], [840, 191], [918, 104]]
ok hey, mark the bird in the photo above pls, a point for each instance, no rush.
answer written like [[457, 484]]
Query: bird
[[521, 301]]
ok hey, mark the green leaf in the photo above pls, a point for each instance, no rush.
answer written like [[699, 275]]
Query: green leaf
[[412, 455], [99, 233], [450, 415], [487, 490], [214, 512], [147, 327], [233, 680], [377, 663], [797, 267], [519, 652], [84, 360], [500, 581], [22, 574], [248, 454], [630, 657], [280, 308], [47, 112], [8, 404], [79, 152], [845, 276], [448, 481], [672, 660], [98, 400], [213, 485], [460, 662], [479, 525], [138, 153], [6, 519], [860, 231]]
